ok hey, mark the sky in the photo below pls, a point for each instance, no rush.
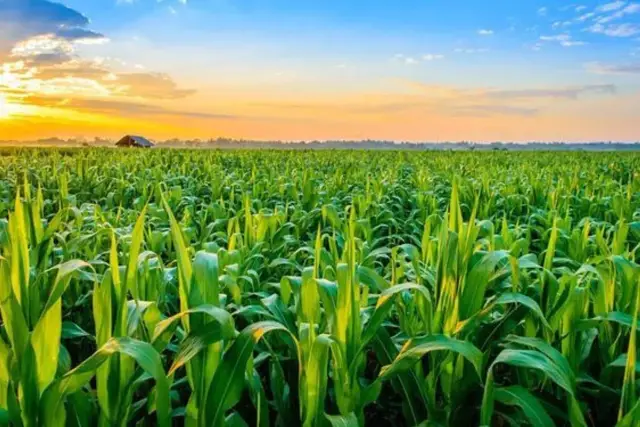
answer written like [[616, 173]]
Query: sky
[[405, 70]]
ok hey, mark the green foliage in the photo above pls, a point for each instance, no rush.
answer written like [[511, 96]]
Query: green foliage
[[209, 288]]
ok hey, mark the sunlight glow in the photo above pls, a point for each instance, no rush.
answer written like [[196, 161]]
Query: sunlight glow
[[10, 109], [4, 107]]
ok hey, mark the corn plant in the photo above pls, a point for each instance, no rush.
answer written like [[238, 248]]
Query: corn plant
[[318, 288]]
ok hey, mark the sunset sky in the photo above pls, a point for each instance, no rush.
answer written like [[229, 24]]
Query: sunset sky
[[418, 70]]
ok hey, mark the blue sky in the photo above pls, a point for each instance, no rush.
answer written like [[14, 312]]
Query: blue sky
[[531, 59], [536, 38]]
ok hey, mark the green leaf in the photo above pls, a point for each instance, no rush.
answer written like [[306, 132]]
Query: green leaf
[[343, 420], [45, 340], [71, 330], [529, 404], [137, 237], [166, 326], [384, 306], [228, 382], [371, 278], [199, 340], [52, 412], [416, 348]]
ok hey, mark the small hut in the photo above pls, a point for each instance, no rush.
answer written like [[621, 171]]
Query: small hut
[[134, 141]]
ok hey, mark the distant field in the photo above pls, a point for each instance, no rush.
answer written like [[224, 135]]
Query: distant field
[[318, 288]]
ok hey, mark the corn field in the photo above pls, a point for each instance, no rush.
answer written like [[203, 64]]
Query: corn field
[[318, 288]]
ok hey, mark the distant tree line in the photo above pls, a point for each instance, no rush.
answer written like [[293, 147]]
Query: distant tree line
[[228, 143]]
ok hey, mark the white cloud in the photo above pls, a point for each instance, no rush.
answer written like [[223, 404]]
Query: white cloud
[[42, 45], [543, 11], [564, 40], [632, 8], [472, 50], [484, 32], [616, 30], [610, 7], [627, 10], [412, 60], [581, 8], [585, 17], [559, 24]]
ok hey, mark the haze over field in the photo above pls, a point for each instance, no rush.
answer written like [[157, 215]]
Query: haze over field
[[290, 70]]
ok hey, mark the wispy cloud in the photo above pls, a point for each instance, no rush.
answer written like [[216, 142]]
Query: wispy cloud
[[563, 93], [616, 30], [111, 107], [598, 68], [561, 24], [564, 40], [543, 11], [620, 13], [471, 50], [485, 32], [585, 17], [608, 7], [413, 60]]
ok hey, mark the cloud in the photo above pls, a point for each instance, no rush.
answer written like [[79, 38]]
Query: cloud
[[564, 40], [559, 24], [609, 7], [38, 57], [151, 85], [585, 17], [621, 13], [616, 30], [457, 104], [580, 8], [492, 110], [47, 59], [598, 68], [543, 11], [411, 60], [43, 44], [45, 72], [484, 32], [471, 50], [23, 19], [446, 101], [110, 107], [75, 68], [41, 16], [562, 93], [79, 35]]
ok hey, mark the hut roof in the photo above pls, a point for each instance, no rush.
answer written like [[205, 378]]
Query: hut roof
[[134, 141]]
